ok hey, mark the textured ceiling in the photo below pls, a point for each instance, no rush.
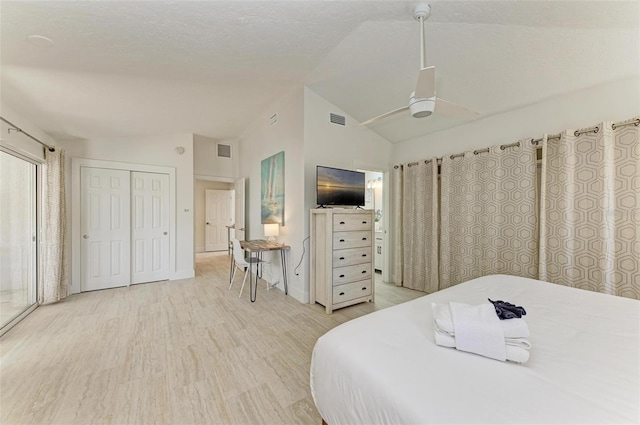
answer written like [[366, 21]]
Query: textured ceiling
[[210, 67]]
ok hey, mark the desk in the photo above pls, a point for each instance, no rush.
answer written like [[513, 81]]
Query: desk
[[259, 246]]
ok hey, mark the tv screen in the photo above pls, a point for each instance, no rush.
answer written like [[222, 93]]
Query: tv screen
[[339, 187]]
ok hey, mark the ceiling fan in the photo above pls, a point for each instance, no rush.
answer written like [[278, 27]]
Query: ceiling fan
[[423, 101]]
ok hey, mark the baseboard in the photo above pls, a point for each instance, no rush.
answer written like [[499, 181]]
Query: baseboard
[[200, 249], [183, 274], [299, 295]]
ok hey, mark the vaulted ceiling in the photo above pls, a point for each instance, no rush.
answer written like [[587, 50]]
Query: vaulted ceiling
[[210, 67]]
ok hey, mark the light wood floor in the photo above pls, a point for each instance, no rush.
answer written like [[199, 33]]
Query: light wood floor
[[180, 352]]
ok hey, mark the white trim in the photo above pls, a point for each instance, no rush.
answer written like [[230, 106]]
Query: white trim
[[183, 274], [214, 178], [20, 153], [76, 164], [295, 292], [17, 319]]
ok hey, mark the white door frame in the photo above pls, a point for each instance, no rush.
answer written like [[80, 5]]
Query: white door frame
[[76, 164], [386, 203]]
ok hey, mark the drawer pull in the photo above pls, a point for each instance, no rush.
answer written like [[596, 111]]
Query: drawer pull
[[341, 293], [364, 239], [342, 222], [364, 271], [342, 258], [341, 275], [341, 240], [364, 288]]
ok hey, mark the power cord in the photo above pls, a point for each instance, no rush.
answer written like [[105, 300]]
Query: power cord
[[295, 271]]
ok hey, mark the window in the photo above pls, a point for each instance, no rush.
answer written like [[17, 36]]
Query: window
[[18, 237]]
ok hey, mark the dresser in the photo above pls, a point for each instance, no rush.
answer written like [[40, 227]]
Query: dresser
[[341, 265]]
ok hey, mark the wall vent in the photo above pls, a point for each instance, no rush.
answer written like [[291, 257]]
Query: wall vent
[[337, 119], [273, 119], [224, 151]]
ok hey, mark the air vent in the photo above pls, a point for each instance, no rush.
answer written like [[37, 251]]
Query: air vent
[[224, 151], [273, 119], [337, 119]]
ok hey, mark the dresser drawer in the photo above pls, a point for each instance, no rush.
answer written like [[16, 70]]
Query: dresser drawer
[[348, 257], [343, 240], [348, 274], [349, 222], [351, 290]]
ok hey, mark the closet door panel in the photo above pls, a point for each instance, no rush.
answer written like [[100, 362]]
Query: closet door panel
[[150, 231], [105, 227]]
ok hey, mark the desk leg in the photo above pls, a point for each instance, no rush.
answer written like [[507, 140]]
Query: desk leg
[[231, 269], [284, 270], [253, 295]]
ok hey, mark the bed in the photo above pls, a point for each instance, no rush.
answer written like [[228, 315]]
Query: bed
[[584, 363]]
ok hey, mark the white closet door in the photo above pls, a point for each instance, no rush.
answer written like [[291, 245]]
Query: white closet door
[[105, 227], [150, 227]]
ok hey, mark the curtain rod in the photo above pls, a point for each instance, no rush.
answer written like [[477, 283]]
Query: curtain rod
[[635, 121], [19, 130]]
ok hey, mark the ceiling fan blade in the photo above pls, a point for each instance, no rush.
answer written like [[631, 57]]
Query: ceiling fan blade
[[383, 116], [451, 109], [426, 85]]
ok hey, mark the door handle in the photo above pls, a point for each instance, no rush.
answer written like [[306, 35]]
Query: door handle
[[85, 236], [165, 233], [208, 223]]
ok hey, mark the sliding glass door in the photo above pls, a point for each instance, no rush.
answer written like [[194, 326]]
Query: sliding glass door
[[18, 236]]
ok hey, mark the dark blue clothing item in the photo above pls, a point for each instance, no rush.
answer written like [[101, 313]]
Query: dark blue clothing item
[[506, 310]]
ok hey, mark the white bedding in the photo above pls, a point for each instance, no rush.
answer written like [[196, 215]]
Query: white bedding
[[584, 365]]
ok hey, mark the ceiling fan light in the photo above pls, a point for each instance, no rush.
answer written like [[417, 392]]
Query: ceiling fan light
[[421, 108]]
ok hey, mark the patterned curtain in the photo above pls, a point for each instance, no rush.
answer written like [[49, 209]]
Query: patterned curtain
[[420, 226], [590, 229], [396, 193], [53, 282], [489, 214]]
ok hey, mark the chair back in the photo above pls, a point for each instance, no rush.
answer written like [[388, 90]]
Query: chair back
[[238, 253]]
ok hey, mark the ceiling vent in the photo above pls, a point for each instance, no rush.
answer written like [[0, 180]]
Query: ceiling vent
[[337, 119], [224, 151]]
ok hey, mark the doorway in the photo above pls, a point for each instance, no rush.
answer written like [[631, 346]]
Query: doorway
[[214, 203], [218, 217], [374, 182]]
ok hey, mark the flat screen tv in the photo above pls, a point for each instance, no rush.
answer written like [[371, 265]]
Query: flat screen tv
[[339, 187]]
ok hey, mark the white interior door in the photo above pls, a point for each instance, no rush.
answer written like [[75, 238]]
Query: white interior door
[[149, 227], [239, 232], [217, 216], [105, 228]]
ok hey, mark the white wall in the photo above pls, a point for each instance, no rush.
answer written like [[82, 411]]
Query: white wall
[[260, 141], [200, 208], [613, 101], [160, 151], [206, 162], [350, 147]]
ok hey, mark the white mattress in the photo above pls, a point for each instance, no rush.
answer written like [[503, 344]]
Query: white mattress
[[584, 365]]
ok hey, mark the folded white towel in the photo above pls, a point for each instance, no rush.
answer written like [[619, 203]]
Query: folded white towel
[[515, 353], [477, 330], [516, 348], [512, 328]]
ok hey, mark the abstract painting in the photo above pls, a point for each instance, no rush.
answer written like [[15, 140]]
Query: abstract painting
[[272, 189]]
